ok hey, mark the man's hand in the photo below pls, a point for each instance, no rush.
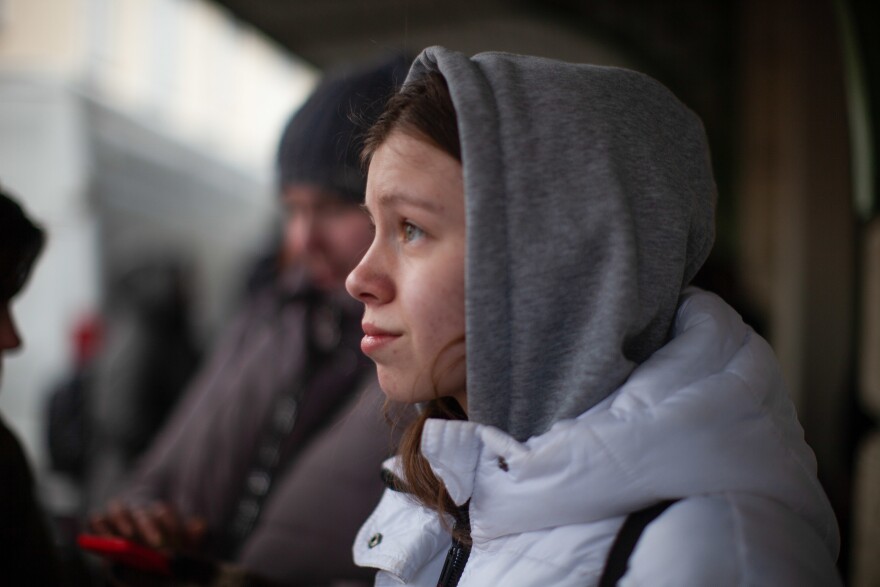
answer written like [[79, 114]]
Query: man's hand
[[157, 526]]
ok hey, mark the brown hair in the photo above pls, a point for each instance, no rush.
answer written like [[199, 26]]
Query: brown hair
[[423, 109]]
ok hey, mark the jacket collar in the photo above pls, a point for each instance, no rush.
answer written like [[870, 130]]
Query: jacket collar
[[707, 413]]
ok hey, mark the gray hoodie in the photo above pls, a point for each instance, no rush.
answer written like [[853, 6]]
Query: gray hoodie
[[590, 205]]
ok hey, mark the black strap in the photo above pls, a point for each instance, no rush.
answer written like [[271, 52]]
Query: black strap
[[627, 538], [269, 459]]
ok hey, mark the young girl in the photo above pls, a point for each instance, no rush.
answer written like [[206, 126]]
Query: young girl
[[537, 224]]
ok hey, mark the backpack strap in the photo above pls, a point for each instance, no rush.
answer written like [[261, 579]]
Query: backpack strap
[[618, 557]]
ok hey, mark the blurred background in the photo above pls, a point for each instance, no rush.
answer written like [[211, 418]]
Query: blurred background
[[142, 134]]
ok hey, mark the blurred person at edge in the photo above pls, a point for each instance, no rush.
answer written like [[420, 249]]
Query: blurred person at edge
[[27, 555], [269, 461]]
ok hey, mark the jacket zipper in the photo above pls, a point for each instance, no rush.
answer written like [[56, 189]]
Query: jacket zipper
[[459, 552]]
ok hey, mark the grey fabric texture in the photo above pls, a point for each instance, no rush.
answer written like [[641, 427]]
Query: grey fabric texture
[[589, 206]]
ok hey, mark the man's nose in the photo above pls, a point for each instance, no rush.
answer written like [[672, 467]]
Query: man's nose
[[307, 233]]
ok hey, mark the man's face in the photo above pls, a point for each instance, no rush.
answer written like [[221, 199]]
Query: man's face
[[325, 233], [9, 338]]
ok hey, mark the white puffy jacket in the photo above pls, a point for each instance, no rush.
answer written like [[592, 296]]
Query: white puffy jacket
[[706, 418]]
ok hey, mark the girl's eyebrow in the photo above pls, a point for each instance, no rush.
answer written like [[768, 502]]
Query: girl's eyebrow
[[389, 199]]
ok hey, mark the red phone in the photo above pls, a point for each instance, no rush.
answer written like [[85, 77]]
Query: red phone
[[126, 552]]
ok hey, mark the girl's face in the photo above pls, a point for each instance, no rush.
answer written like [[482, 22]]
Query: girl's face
[[411, 280]]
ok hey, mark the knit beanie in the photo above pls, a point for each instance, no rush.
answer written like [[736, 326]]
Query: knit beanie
[[20, 244], [322, 142]]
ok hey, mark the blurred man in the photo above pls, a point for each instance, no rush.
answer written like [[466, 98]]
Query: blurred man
[[270, 459], [26, 552]]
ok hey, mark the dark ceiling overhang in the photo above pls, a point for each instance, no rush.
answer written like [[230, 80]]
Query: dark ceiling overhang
[[686, 44]]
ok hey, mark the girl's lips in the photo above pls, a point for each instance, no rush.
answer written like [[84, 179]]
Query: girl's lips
[[375, 338]]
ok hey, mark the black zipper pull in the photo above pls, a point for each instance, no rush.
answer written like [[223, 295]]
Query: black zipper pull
[[459, 552]]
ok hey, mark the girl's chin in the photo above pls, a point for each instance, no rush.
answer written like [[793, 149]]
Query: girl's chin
[[398, 391]]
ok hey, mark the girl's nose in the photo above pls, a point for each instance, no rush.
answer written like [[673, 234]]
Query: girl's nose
[[368, 282]]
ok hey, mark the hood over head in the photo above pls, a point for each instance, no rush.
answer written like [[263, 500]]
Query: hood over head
[[589, 204]]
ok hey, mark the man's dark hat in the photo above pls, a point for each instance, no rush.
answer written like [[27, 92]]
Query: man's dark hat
[[322, 142]]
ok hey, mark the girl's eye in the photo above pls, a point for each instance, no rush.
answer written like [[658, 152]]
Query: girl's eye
[[411, 232]]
